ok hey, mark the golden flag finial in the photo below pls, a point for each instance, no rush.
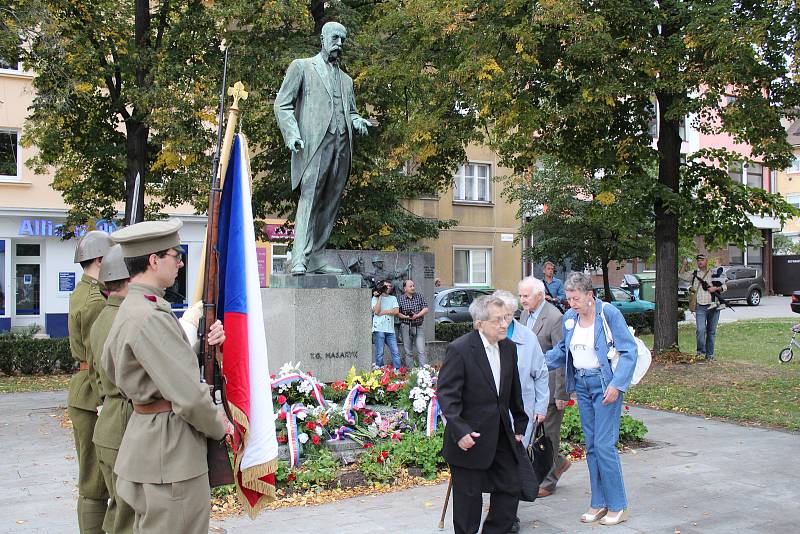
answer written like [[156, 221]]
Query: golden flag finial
[[238, 93]]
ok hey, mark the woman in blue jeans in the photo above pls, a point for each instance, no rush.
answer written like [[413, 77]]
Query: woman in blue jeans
[[584, 352], [384, 309]]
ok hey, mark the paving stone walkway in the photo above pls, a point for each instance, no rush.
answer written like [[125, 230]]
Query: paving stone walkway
[[703, 476]]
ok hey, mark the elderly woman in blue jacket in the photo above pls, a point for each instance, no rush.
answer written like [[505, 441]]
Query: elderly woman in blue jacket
[[584, 352]]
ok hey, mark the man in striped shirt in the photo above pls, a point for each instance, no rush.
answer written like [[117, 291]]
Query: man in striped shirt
[[412, 313]]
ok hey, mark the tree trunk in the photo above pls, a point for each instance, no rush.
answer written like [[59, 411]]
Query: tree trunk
[[318, 14], [135, 128], [669, 153], [606, 283]]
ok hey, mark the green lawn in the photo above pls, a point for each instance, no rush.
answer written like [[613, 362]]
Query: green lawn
[[23, 384], [747, 383]]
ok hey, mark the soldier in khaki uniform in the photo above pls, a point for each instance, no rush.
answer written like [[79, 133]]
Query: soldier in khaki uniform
[[116, 409], [161, 466], [85, 305]]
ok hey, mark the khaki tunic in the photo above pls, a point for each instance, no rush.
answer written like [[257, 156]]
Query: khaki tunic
[[149, 358], [85, 304], [111, 422]]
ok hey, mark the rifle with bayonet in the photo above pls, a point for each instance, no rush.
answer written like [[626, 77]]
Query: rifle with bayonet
[[219, 466]]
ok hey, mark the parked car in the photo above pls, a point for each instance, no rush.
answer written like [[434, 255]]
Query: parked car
[[625, 300], [451, 304], [796, 301], [744, 283]]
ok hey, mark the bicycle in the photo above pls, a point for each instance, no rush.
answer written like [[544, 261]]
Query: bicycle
[[786, 354]]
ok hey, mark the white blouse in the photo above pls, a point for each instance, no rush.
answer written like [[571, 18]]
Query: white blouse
[[582, 347]]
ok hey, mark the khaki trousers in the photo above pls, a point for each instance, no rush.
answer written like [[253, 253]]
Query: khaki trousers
[[92, 492], [120, 516], [180, 507]]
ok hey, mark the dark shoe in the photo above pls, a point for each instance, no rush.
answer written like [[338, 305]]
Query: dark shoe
[[544, 492], [710, 358], [515, 526]]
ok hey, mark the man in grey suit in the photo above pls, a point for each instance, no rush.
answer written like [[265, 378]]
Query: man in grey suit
[[545, 321], [316, 112]]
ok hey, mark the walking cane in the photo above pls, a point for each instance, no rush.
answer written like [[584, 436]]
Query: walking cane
[[446, 501]]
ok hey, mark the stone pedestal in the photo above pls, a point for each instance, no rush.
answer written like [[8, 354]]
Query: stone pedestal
[[328, 330]]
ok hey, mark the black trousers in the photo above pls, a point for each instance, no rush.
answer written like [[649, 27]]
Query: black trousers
[[501, 480]]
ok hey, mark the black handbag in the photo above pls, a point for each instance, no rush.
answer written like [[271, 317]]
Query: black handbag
[[540, 452], [528, 482]]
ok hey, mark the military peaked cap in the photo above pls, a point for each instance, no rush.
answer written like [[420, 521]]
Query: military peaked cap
[[149, 237]]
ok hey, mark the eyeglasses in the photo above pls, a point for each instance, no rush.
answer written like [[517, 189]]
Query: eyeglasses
[[499, 321], [178, 256]]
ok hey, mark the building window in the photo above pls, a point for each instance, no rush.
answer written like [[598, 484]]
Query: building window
[[9, 154], [472, 266], [472, 183], [795, 166], [754, 255], [793, 199], [682, 129], [755, 175], [10, 64], [280, 259], [3, 289], [735, 171]]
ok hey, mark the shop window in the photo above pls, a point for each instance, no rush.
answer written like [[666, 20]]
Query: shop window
[[472, 266], [736, 255], [280, 259], [27, 279], [473, 183], [754, 254], [177, 295], [3, 277], [9, 154], [28, 249], [755, 175]]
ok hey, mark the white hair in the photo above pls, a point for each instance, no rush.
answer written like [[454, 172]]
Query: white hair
[[507, 297], [479, 309], [536, 285]]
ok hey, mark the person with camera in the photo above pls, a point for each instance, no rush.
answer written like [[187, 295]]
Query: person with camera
[[554, 287], [384, 309], [412, 314], [707, 311]]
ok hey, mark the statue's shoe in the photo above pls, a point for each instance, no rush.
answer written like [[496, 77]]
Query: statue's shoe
[[327, 269], [298, 270]]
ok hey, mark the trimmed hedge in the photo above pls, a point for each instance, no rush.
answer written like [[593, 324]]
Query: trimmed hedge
[[451, 331], [29, 356]]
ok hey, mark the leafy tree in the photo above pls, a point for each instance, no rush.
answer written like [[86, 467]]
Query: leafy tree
[[784, 244], [579, 81], [127, 88], [583, 217], [122, 89]]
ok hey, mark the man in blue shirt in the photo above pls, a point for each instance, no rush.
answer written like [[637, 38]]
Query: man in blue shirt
[[554, 287], [384, 310]]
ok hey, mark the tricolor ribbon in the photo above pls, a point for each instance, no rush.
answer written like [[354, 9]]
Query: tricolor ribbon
[[341, 433], [433, 416], [293, 436], [316, 390], [355, 400]]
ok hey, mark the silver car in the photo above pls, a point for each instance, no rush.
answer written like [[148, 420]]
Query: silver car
[[452, 303], [743, 283]]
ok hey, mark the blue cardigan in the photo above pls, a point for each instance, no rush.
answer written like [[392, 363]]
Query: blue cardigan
[[560, 355]]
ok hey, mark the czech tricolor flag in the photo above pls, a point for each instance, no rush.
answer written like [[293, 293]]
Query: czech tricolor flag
[[244, 360]]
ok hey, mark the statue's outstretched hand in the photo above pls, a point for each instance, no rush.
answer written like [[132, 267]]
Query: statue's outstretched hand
[[361, 125], [295, 145]]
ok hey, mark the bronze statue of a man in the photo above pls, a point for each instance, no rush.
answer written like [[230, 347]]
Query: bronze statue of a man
[[316, 112]]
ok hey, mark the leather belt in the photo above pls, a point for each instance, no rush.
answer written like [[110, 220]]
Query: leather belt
[[84, 366], [158, 406]]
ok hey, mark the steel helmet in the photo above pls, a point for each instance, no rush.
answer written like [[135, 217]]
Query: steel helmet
[[94, 244], [113, 266]]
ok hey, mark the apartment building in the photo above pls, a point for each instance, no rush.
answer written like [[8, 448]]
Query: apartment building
[[788, 181]]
